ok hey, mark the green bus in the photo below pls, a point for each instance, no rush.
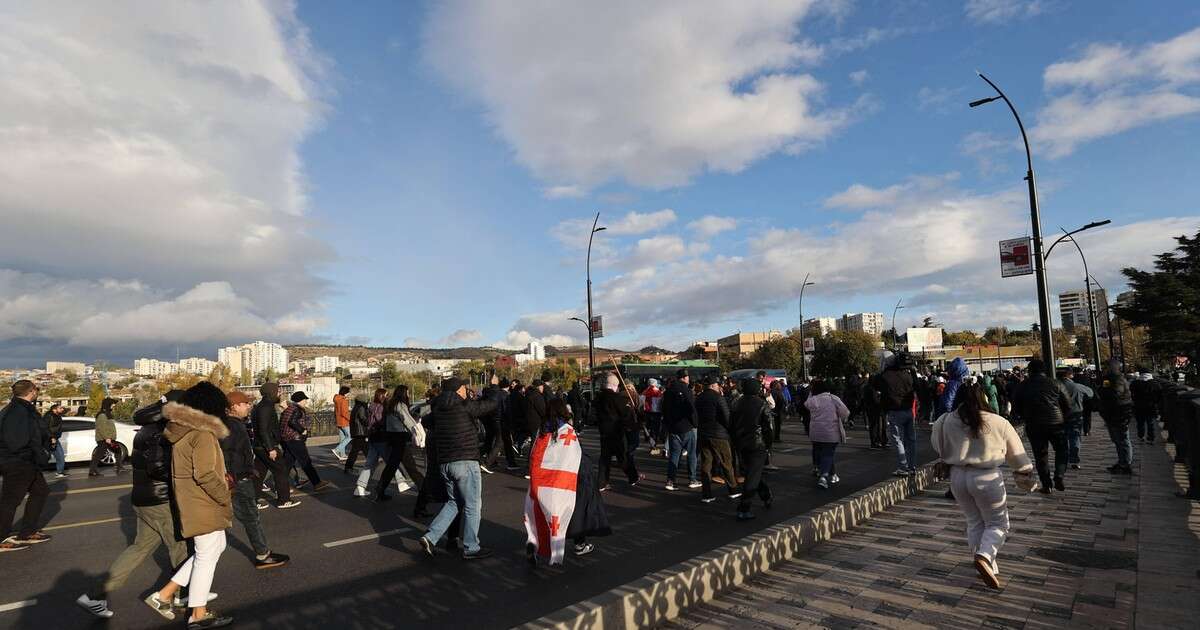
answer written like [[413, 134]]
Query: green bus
[[638, 373]]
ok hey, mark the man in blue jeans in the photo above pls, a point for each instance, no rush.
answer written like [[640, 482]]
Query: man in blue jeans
[[896, 394], [454, 423], [1079, 396], [53, 420], [679, 415]]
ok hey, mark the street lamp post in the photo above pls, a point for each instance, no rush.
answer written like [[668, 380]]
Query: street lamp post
[[803, 354], [591, 336], [1035, 218], [1087, 281], [899, 305]]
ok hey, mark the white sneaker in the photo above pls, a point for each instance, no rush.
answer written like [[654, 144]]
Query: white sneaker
[[338, 455], [485, 469], [669, 486], [60, 475], [695, 484], [834, 479], [180, 602], [823, 482], [360, 491], [403, 487], [98, 607], [290, 504]]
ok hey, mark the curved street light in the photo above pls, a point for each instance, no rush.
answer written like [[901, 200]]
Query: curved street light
[[591, 336], [899, 305], [803, 354], [1087, 281], [1035, 217]]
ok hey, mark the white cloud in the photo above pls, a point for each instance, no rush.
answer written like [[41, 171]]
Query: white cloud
[[457, 339], [640, 223], [158, 145], [574, 233], [858, 77], [1112, 88], [859, 196], [563, 192], [710, 225], [648, 93], [999, 11]]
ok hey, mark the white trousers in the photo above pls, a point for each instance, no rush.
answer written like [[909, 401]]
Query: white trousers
[[198, 570], [981, 497]]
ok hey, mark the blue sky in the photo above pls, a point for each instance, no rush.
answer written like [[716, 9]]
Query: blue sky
[[412, 173]]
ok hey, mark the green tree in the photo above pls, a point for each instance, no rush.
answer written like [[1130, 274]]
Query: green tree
[[780, 353], [95, 398], [1166, 301], [961, 338], [631, 359], [69, 375], [995, 335], [62, 391], [176, 380], [223, 377], [268, 375], [844, 352], [124, 409]]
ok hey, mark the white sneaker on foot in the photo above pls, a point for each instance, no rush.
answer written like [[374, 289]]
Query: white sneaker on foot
[[669, 486], [98, 607], [695, 484], [360, 491]]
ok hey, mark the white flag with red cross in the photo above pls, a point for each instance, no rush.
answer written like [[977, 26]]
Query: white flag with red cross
[[553, 474]]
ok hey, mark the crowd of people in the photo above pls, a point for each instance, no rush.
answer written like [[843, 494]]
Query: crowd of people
[[203, 457]]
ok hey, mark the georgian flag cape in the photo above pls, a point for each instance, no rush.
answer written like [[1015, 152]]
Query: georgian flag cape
[[553, 474]]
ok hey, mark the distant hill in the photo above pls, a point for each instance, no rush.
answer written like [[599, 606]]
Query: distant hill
[[362, 353]]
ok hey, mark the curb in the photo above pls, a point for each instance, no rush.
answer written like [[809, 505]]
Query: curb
[[663, 595]]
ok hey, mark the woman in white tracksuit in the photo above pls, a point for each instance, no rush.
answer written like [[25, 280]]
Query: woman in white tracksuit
[[975, 443]]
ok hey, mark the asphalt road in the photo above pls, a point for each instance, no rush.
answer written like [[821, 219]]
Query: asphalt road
[[377, 577]]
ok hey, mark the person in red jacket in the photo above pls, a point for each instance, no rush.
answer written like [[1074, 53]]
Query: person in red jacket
[[652, 406]]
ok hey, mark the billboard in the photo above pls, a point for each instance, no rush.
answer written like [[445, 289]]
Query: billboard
[[924, 339], [810, 344], [1016, 257], [597, 326]]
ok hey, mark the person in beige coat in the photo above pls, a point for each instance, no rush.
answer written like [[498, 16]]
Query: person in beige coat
[[195, 428]]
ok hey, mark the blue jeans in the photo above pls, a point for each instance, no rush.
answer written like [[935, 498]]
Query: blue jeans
[[464, 486], [1118, 432], [344, 432], [676, 444], [904, 436], [823, 453], [1074, 438], [60, 457]]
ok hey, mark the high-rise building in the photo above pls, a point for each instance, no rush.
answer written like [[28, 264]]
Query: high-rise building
[[326, 365], [1073, 308], [254, 357], [537, 352], [870, 323], [820, 326], [743, 343], [153, 368], [197, 365]]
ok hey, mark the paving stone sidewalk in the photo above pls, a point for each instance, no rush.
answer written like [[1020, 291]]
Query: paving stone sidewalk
[[1110, 552]]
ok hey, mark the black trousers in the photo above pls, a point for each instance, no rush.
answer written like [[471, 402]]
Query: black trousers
[[98, 454], [299, 454], [777, 422], [611, 447], [358, 446], [492, 441], [753, 459], [1041, 438], [21, 478], [877, 428], [278, 468], [400, 451]]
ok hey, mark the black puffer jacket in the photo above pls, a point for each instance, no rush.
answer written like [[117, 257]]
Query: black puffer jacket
[[239, 458], [1043, 401], [713, 414], [359, 417], [150, 459], [456, 426], [53, 424], [266, 418], [679, 408], [751, 421], [535, 409], [895, 387], [22, 439], [1116, 403], [614, 413]]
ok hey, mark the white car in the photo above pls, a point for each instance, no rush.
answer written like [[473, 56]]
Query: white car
[[79, 440]]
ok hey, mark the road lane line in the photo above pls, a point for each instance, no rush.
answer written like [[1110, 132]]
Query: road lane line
[[122, 486], [83, 523], [17, 605], [338, 543]]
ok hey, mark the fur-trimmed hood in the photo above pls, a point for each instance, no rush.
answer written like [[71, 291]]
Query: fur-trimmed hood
[[182, 419]]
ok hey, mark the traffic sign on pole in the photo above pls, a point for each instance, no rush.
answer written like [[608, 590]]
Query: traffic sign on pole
[[1016, 258]]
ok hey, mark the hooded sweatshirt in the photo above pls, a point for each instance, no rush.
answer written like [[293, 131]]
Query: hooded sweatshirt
[[956, 371], [198, 470]]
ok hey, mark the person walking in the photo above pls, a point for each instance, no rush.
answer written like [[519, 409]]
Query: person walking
[[54, 424], [780, 410], [456, 434], [493, 425], [1116, 407], [106, 439], [1145, 392], [896, 393], [716, 452], [652, 406], [239, 463], [679, 416], [975, 442], [749, 427], [194, 428], [377, 442], [614, 412], [404, 433], [293, 433], [151, 500], [268, 449], [827, 430], [341, 417], [358, 431], [22, 456], [1044, 404], [515, 419], [1081, 397]]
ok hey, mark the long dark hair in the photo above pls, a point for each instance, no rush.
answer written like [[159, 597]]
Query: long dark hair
[[973, 404], [106, 407], [556, 410], [380, 396], [400, 395]]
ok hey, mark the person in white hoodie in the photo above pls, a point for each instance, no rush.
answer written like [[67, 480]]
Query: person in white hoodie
[[975, 443]]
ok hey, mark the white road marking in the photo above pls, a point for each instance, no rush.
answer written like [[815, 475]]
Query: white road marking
[[375, 536], [96, 522], [17, 605]]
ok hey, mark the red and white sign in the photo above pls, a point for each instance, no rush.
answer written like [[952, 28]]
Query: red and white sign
[[1016, 257], [810, 344], [553, 476]]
